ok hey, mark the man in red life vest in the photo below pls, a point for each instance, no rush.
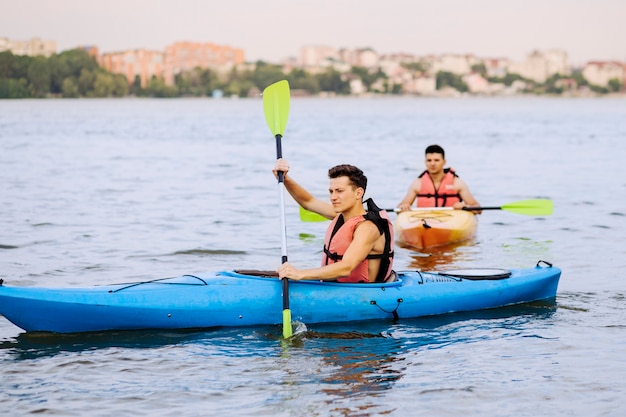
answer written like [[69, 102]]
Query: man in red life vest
[[359, 243], [438, 186]]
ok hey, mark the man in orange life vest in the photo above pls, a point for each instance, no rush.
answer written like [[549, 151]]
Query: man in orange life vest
[[359, 243], [438, 187]]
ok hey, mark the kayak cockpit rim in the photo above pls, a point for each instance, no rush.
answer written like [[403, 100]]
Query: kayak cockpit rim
[[248, 273]]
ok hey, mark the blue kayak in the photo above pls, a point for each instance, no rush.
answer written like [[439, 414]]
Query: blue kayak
[[248, 298]]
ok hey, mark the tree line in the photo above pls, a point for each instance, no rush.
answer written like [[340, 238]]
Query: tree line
[[75, 73], [72, 73]]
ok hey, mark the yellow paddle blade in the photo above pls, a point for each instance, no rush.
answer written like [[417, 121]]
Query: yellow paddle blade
[[276, 106], [536, 207], [287, 329], [309, 216]]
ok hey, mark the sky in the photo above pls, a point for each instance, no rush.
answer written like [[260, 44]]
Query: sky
[[272, 30]]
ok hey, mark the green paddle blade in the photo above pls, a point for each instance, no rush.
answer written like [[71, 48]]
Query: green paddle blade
[[537, 207], [309, 216], [276, 106]]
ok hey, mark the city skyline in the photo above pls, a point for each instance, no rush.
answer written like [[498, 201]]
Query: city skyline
[[586, 30]]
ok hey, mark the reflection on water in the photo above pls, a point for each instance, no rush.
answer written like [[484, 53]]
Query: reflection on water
[[37, 345], [432, 259]]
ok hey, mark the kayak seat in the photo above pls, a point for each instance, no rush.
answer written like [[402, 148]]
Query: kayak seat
[[393, 277]]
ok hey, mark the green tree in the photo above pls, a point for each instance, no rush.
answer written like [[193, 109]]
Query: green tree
[[103, 85], [416, 66], [239, 88], [598, 89], [120, 85], [508, 79], [14, 88], [198, 82], [182, 81], [396, 88], [580, 79], [86, 80], [331, 81], [136, 87], [367, 76], [77, 60], [550, 85], [14, 66], [39, 77], [480, 69], [615, 85], [448, 79], [69, 89], [205, 81], [266, 74], [301, 80], [158, 88], [59, 71]]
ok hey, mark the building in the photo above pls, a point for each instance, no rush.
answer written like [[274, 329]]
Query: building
[[476, 83], [601, 72], [32, 47], [496, 67], [424, 85], [313, 56], [185, 56], [363, 57], [539, 66], [140, 63], [456, 64], [177, 58]]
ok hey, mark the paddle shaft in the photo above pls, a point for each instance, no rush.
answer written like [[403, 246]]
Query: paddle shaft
[[481, 208], [283, 224], [446, 208], [535, 207]]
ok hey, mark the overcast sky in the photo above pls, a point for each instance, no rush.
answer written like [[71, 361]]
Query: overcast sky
[[275, 29]]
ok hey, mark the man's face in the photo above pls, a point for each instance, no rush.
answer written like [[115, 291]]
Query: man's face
[[434, 163], [343, 194]]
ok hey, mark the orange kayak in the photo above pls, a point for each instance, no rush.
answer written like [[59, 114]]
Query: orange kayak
[[425, 228]]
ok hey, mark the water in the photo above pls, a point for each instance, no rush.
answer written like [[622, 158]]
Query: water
[[101, 191]]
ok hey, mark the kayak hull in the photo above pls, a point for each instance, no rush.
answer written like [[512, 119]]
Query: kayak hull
[[422, 229], [229, 298]]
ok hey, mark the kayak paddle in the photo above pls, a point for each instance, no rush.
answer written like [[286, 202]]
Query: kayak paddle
[[536, 207], [276, 109]]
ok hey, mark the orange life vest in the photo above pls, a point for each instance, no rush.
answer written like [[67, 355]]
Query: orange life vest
[[444, 196], [339, 235]]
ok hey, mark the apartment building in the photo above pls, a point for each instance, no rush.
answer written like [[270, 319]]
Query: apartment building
[[425, 85], [185, 56], [496, 67], [140, 63], [178, 57], [362, 57], [601, 72], [313, 56], [539, 66], [31, 47], [454, 63]]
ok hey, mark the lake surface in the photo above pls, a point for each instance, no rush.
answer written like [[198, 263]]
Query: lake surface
[[104, 191]]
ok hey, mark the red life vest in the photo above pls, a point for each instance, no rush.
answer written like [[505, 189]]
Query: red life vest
[[444, 196], [340, 234]]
